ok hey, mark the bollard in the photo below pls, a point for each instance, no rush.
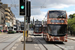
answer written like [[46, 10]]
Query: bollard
[[26, 34]]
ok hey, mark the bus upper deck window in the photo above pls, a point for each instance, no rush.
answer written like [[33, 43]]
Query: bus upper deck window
[[57, 14]]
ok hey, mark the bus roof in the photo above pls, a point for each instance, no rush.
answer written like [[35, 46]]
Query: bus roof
[[56, 10]]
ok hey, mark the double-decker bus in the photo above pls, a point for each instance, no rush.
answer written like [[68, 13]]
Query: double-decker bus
[[22, 29], [55, 26], [37, 28]]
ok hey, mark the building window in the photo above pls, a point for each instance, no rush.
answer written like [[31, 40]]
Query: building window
[[2, 18], [6, 15], [6, 19], [0, 4]]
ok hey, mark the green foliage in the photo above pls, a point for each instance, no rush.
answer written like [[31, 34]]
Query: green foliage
[[72, 15], [37, 20], [0, 32], [71, 24], [31, 25]]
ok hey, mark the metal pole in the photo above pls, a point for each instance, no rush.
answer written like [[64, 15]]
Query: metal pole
[[24, 25], [24, 30], [27, 26], [27, 23]]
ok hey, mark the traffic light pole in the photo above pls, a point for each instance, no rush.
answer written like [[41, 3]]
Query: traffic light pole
[[24, 30], [25, 24]]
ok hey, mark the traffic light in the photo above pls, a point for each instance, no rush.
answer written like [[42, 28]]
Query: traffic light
[[22, 7], [28, 9], [28, 20]]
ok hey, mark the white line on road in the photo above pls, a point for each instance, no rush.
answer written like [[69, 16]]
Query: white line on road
[[14, 48], [35, 45], [16, 44]]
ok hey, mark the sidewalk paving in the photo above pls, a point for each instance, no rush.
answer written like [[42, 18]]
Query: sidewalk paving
[[28, 39], [2, 33], [71, 37]]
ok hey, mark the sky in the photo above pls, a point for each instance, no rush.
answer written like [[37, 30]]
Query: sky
[[39, 8]]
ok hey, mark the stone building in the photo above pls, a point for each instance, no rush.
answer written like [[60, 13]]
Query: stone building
[[7, 18], [2, 17], [18, 24]]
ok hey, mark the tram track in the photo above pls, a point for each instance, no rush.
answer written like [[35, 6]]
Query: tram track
[[2, 37], [11, 42], [42, 44], [46, 48], [6, 38], [53, 44], [59, 47], [64, 48]]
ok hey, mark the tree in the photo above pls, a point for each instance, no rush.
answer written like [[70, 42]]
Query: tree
[[71, 24], [36, 19], [72, 15]]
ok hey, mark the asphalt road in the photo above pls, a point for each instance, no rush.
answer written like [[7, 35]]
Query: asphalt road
[[8, 40], [40, 44], [70, 45]]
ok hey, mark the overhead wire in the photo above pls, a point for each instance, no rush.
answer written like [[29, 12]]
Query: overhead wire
[[44, 3], [42, 6], [16, 8], [14, 5]]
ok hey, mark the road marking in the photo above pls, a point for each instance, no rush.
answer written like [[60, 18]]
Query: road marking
[[37, 47], [20, 38], [16, 44], [13, 48]]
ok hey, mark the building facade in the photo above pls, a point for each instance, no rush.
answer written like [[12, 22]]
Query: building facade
[[2, 17], [18, 24], [7, 18]]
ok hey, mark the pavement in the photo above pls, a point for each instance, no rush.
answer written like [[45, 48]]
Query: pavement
[[71, 37], [2, 33]]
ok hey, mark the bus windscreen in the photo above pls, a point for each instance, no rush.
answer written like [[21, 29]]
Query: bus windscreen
[[57, 14], [57, 29]]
